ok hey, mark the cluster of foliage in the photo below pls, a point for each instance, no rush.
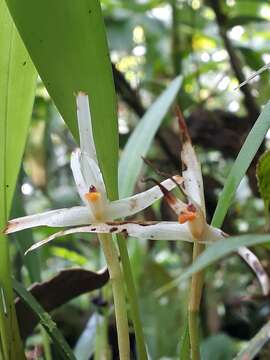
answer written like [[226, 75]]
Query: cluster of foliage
[[188, 52]]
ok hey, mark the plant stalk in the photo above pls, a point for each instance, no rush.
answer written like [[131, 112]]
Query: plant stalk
[[132, 298], [117, 282], [194, 305]]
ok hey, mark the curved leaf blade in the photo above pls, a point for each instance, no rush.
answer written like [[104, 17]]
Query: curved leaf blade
[[220, 249], [241, 164], [140, 140]]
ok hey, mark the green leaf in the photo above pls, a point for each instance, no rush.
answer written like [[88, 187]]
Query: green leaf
[[17, 86], [220, 249], [67, 42], [263, 176], [241, 164], [255, 344], [184, 353], [45, 320], [140, 141]]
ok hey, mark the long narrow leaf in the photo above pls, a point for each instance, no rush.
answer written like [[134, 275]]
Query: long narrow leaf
[[255, 344], [220, 249], [241, 164], [45, 320], [67, 43], [17, 85], [140, 140]]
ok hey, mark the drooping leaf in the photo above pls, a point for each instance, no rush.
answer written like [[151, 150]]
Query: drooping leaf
[[17, 86], [67, 43], [140, 140], [241, 164], [46, 321]]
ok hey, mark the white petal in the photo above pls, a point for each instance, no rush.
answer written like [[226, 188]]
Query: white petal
[[74, 216], [145, 230], [87, 143], [75, 165], [191, 167], [134, 204], [93, 175]]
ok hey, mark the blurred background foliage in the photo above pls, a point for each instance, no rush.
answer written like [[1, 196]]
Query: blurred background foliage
[[214, 45]]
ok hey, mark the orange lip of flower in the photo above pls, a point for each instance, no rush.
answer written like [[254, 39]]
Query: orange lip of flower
[[92, 196], [186, 216]]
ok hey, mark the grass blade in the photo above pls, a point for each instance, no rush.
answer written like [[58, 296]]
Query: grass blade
[[140, 140], [45, 320], [241, 164]]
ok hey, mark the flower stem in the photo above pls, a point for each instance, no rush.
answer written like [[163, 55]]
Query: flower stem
[[133, 299], [194, 305], [116, 278]]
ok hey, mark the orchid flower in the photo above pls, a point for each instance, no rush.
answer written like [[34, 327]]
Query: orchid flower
[[97, 208]]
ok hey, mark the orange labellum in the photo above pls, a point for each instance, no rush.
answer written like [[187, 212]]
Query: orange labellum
[[92, 196], [186, 216]]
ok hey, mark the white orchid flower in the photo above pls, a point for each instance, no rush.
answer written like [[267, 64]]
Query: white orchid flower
[[97, 208]]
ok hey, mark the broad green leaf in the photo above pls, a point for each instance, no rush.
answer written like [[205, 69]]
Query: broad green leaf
[[17, 85], [67, 42], [241, 164], [140, 140], [263, 176], [255, 344], [45, 320], [220, 249]]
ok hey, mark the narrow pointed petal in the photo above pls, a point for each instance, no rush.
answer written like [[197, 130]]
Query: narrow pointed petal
[[75, 165], [144, 230], [87, 143], [134, 204], [93, 175], [214, 234], [74, 216], [255, 264], [191, 167]]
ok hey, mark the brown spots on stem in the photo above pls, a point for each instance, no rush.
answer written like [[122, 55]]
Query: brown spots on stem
[[182, 126]]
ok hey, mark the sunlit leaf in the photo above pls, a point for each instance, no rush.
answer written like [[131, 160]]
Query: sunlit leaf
[[17, 85]]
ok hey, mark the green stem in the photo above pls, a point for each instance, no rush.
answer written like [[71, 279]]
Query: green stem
[[193, 323], [116, 278], [194, 305], [132, 298]]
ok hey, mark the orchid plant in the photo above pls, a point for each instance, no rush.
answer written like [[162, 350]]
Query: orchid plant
[[98, 213], [98, 210]]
